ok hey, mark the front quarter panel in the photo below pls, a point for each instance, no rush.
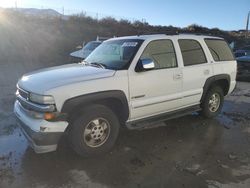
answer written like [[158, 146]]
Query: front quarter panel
[[117, 82]]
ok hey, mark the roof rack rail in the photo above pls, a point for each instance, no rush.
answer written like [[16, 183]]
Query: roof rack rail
[[158, 33], [176, 32], [196, 33]]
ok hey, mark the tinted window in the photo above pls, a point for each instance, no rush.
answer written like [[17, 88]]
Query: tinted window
[[219, 50], [162, 53], [192, 52]]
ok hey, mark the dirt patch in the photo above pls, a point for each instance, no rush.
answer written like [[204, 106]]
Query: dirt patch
[[237, 116], [137, 162], [7, 123], [6, 172]]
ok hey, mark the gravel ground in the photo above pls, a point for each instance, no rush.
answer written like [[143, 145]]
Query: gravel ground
[[188, 152]]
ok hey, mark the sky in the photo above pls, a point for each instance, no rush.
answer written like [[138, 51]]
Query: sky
[[223, 14]]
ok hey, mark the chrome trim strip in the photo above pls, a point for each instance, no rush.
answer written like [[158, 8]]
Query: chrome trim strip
[[192, 95], [157, 102], [167, 100], [26, 92], [35, 107], [22, 91], [160, 113], [138, 96]]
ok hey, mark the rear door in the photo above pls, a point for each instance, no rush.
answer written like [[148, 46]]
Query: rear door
[[196, 70]]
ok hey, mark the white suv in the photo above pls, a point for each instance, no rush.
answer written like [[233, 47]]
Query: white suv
[[130, 81]]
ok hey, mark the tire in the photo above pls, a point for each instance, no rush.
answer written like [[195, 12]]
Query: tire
[[85, 132], [208, 106]]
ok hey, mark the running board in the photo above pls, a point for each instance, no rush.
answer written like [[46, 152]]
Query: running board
[[148, 122]]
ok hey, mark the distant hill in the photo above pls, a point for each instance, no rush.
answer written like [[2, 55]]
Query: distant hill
[[34, 36], [36, 12]]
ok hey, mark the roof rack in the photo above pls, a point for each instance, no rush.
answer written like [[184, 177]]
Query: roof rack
[[196, 33], [172, 32], [178, 33], [158, 33]]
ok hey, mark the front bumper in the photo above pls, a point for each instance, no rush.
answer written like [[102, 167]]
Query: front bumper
[[43, 136]]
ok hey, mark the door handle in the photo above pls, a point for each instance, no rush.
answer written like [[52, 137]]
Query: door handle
[[178, 76]]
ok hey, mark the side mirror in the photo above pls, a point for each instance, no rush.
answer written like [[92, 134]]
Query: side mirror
[[144, 65]]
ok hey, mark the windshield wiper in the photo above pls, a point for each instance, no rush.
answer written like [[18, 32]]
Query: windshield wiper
[[94, 64], [83, 62]]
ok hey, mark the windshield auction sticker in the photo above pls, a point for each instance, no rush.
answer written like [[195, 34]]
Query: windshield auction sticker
[[129, 44]]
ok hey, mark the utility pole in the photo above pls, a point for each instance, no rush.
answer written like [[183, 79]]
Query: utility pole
[[97, 16], [248, 15], [16, 5]]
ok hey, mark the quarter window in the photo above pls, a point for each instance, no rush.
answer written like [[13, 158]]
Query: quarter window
[[219, 50], [192, 52], [162, 53]]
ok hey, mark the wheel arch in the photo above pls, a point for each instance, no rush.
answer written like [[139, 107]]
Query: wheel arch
[[116, 100], [223, 80]]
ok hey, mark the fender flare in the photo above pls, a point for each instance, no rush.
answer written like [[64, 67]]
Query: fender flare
[[86, 99], [213, 79]]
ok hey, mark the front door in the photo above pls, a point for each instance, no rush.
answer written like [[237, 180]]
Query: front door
[[158, 90]]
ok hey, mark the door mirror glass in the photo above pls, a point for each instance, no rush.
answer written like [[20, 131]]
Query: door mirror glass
[[145, 64], [148, 64]]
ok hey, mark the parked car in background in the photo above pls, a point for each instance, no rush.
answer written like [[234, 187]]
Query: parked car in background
[[243, 68], [242, 52], [85, 51]]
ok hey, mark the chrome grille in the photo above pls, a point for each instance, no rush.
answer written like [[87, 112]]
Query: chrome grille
[[23, 98], [23, 94]]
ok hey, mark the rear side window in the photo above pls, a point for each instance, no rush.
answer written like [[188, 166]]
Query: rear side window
[[192, 52], [162, 53], [219, 50]]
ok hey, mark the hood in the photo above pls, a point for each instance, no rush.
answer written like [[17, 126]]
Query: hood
[[45, 79]]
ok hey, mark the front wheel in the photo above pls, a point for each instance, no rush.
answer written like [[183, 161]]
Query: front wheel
[[94, 131], [213, 102]]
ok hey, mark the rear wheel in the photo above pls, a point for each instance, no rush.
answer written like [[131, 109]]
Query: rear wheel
[[213, 102], [94, 131]]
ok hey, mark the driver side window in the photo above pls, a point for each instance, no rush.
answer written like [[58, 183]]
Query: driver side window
[[162, 53]]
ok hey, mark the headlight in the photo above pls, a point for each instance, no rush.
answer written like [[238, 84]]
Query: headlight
[[36, 115], [41, 99]]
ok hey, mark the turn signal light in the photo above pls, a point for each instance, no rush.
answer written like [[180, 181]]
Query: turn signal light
[[49, 116]]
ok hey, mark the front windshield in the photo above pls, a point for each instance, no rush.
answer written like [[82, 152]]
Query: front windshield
[[115, 54]]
